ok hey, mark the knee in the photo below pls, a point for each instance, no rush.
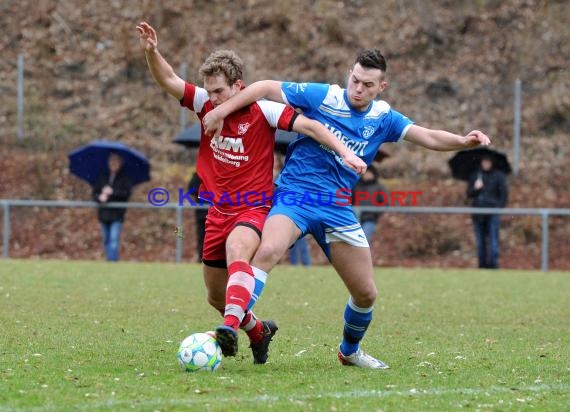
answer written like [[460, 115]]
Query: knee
[[267, 255], [234, 251], [365, 298]]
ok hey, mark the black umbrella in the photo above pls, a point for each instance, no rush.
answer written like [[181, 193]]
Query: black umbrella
[[465, 162], [190, 137]]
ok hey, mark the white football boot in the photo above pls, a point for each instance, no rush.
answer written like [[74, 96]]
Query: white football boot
[[362, 360]]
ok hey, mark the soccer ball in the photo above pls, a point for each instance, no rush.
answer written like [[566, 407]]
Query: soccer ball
[[200, 352]]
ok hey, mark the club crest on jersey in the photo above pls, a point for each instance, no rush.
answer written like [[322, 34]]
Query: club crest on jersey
[[368, 131], [242, 128]]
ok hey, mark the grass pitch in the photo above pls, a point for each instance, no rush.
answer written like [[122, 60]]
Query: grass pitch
[[96, 336]]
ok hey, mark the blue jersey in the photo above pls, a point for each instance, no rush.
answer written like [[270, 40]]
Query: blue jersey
[[314, 168]]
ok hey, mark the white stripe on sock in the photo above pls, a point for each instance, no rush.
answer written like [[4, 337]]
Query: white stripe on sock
[[259, 274], [356, 308]]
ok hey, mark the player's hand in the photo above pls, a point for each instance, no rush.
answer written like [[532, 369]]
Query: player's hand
[[147, 36], [354, 162], [213, 123], [476, 138]]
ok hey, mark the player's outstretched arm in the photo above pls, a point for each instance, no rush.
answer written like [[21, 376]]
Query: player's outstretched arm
[[445, 141], [321, 134], [264, 89], [162, 72]]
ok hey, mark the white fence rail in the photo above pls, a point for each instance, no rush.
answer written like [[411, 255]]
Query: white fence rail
[[545, 214]]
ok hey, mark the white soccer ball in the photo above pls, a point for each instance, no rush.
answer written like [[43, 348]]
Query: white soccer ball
[[200, 352]]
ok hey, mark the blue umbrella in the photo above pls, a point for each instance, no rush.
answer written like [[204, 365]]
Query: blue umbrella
[[90, 161], [190, 137]]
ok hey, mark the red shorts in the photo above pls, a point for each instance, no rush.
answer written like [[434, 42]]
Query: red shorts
[[218, 228]]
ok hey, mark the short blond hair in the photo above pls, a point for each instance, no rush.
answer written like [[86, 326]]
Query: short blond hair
[[225, 62]]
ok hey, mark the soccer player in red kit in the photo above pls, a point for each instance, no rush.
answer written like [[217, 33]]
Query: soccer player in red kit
[[236, 170]]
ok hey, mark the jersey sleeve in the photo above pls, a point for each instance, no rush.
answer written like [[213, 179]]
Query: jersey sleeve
[[305, 96], [194, 97], [399, 125], [278, 115]]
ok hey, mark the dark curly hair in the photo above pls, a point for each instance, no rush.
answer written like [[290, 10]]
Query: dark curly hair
[[371, 59]]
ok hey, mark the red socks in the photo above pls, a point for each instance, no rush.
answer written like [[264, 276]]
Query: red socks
[[253, 327], [241, 284]]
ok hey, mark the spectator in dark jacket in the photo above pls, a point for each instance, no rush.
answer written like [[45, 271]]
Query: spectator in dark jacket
[[487, 188], [112, 186]]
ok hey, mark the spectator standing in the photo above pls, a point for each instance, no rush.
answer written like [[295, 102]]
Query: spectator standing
[[487, 187], [113, 185]]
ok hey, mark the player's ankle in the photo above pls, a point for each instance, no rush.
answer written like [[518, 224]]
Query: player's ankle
[[256, 333], [232, 321]]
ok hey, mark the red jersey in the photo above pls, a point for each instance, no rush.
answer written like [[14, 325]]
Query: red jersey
[[236, 168]]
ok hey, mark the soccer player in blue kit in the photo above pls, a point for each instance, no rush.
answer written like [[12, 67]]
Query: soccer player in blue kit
[[362, 124]]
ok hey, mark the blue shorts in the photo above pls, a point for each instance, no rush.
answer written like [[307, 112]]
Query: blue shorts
[[325, 219]]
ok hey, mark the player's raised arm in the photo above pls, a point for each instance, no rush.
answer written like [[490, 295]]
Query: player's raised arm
[[321, 134], [159, 67], [445, 141], [264, 89]]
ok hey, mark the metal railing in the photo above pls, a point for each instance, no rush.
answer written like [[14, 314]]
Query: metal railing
[[7, 203], [544, 213]]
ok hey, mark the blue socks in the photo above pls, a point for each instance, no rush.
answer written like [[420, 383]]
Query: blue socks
[[356, 321]]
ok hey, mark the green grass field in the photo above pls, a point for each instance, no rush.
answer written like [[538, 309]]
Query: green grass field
[[97, 336]]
